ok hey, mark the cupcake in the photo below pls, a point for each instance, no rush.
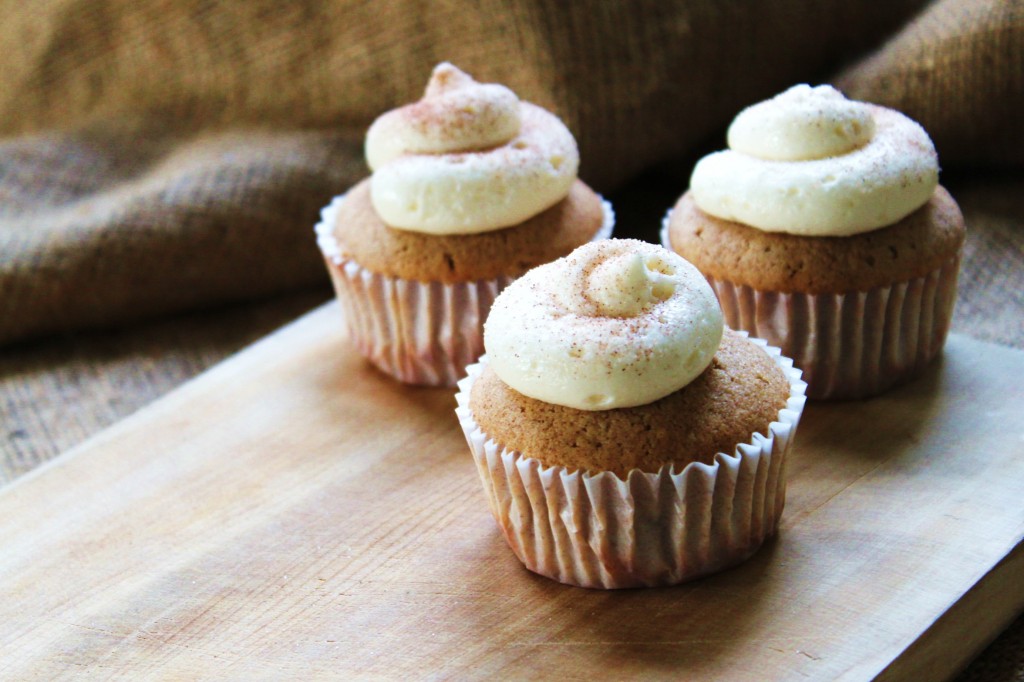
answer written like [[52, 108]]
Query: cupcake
[[470, 189], [623, 436], [823, 230]]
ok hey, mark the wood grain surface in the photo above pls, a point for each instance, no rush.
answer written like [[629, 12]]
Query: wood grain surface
[[292, 514]]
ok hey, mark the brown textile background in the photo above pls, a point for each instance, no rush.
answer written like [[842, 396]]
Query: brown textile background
[[162, 162], [958, 69], [161, 156]]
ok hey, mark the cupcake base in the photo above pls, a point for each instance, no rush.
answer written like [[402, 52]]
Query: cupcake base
[[421, 333], [853, 345], [849, 345], [651, 529]]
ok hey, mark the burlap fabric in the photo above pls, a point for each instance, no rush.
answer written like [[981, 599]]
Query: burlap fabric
[[162, 163]]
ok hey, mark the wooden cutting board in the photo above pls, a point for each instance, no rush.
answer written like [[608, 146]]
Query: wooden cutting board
[[292, 514]]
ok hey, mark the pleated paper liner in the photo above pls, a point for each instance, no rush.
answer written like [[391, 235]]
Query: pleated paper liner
[[652, 529], [849, 345], [422, 333]]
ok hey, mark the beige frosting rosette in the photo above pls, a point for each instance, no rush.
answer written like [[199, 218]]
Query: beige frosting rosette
[[613, 325], [467, 158], [811, 163]]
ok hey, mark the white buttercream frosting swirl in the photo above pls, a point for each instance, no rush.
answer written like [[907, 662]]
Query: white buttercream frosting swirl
[[467, 158], [616, 323], [811, 162]]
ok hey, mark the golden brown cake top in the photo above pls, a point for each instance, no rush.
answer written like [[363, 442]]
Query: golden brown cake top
[[770, 261], [362, 236], [740, 393]]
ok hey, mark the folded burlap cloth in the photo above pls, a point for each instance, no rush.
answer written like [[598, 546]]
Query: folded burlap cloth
[[160, 158]]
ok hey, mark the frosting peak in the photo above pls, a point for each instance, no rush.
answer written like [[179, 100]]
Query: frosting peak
[[811, 162], [468, 157], [447, 77], [616, 323], [616, 283], [802, 123], [455, 114]]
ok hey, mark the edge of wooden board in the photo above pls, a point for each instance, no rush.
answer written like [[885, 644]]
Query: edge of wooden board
[[933, 650], [933, 656]]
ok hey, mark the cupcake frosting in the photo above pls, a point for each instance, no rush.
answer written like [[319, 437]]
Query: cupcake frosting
[[811, 162], [616, 323], [467, 158]]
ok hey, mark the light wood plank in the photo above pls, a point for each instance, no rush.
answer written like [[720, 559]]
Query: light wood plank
[[291, 513]]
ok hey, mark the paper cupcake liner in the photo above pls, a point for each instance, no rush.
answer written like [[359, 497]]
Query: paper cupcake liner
[[422, 333], [652, 529], [851, 345]]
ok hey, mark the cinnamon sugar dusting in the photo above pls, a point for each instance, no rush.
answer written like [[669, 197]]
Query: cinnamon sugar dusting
[[615, 323], [811, 162], [467, 158]]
